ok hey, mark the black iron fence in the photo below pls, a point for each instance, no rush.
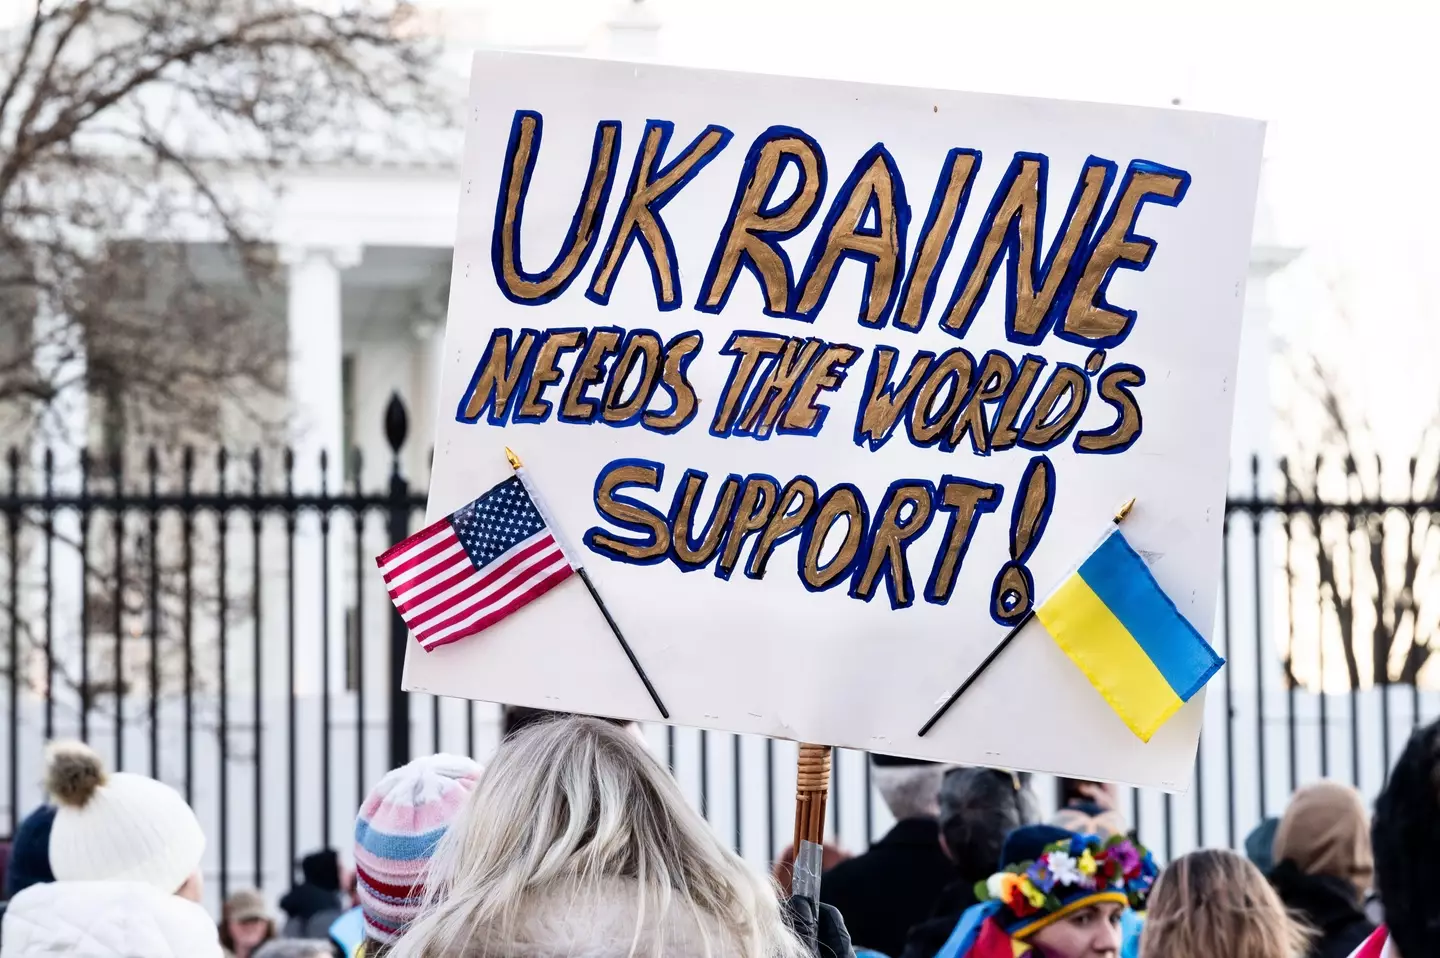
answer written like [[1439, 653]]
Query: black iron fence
[[214, 621]]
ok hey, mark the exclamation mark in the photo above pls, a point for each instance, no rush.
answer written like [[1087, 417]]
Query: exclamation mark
[[1014, 590]]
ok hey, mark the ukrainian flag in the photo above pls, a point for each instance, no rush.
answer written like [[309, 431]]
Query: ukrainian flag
[[1111, 617]]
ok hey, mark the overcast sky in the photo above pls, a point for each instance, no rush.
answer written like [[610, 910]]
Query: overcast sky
[[1349, 99], [1350, 102]]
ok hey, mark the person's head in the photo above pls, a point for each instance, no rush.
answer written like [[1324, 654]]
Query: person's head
[[30, 853], [910, 787], [1088, 808], [978, 808], [397, 830], [119, 827], [322, 869], [577, 815], [514, 718], [296, 948], [245, 922], [1260, 844], [1065, 893], [1325, 831], [1407, 845], [1214, 902], [1081, 790]]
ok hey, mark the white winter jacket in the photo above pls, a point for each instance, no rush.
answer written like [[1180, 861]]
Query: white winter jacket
[[106, 920]]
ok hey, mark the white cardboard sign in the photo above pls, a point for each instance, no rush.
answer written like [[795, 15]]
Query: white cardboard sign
[[715, 313]]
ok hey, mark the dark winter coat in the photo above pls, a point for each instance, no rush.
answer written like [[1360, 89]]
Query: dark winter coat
[[311, 910], [892, 886], [927, 937], [1329, 905]]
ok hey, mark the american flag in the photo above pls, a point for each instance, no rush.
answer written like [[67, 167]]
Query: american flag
[[471, 569]]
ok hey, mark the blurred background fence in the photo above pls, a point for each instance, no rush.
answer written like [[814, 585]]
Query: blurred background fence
[[196, 618]]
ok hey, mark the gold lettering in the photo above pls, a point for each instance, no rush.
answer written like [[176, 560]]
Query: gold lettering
[[923, 427], [625, 513], [751, 349], [878, 416], [963, 498], [1068, 383], [674, 377], [758, 502], [845, 236], [592, 202], [932, 244], [1113, 389], [769, 397], [499, 375], [825, 373], [639, 216], [887, 545], [545, 372], [1084, 318], [589, 370], [991, 384], [684, 519], [783, 524], [1021, 207], [642, 347], [742, 237], [838, 503], [1004, 435]]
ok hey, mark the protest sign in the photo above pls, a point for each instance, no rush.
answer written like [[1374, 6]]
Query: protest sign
[[826, 385]]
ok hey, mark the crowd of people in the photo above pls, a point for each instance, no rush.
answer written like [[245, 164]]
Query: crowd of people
[[574, 842]]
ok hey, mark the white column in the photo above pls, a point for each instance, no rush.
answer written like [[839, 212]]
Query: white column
[[313, 315], [62, 428]]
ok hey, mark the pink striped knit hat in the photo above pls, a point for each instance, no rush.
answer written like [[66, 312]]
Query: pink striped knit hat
[[402, 820]]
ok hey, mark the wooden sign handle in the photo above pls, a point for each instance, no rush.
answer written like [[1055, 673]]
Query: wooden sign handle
[[812, 794]]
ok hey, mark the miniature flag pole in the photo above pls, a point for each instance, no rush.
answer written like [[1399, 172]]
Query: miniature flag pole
[[573, 557], [1015, 630]]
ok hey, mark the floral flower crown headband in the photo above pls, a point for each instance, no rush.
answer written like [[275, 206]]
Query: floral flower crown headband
[[1073, 873]]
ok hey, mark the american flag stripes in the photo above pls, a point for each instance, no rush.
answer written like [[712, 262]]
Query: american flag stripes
[[461, 575]]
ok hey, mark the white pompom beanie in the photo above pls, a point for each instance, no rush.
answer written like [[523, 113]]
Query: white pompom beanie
[[120, 827]]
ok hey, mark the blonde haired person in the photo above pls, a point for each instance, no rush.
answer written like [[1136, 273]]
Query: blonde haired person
[[1214, 902], [577, 842]]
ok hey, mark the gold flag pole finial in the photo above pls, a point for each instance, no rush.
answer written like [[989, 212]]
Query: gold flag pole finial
[[1120, 513], [515, 460]]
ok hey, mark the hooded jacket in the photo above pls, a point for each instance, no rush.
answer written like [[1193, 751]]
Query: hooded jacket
[[106, 920], [1329, 905]]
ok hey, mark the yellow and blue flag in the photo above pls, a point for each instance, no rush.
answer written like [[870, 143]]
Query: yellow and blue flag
[[1114, 621]]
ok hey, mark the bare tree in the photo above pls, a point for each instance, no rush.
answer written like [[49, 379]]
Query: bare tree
[[1363, 543], [128, 127]]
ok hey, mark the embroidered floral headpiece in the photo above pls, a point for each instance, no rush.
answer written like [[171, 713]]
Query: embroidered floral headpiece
[[1070, 875]]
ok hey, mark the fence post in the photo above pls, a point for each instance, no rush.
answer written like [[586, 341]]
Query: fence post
[[396, 427]]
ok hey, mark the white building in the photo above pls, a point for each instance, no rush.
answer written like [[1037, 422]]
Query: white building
[[367, 250]]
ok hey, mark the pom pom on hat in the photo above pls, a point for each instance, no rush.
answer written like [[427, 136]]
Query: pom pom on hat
[[121, 827], [72, 773], [400, 823]]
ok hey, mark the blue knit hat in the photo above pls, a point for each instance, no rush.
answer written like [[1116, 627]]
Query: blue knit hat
[[30, 852]]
